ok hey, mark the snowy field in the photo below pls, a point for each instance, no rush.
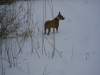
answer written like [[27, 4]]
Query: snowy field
[[78, 41]]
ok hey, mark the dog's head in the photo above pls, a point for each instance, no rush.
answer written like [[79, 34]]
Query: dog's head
[[60, 16]]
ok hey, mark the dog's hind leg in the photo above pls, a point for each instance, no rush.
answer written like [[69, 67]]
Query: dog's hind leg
[[49, 30]]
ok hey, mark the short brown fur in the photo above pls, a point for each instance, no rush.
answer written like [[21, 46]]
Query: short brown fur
[[53, 23]]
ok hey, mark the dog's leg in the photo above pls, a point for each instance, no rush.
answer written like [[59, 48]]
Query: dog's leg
[[53, 30], [57, 29], [49, 30]]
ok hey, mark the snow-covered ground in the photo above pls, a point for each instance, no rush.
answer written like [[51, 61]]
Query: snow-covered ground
[[78, 35]]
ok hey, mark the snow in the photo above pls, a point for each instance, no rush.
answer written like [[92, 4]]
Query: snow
[[79, 32]]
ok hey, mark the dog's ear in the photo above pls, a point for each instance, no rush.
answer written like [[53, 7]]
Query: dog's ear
[[59, 12]]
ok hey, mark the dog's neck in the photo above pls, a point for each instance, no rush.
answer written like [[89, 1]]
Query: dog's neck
[[58, 18]]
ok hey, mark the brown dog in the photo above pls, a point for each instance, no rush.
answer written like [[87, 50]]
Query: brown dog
[[53, 23]]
